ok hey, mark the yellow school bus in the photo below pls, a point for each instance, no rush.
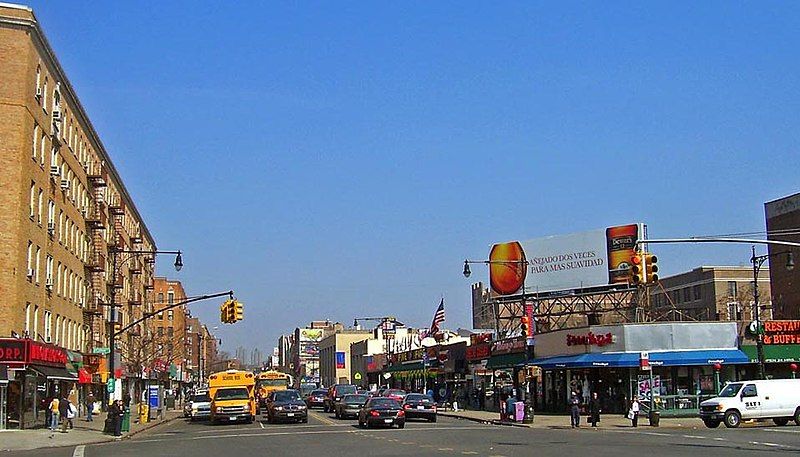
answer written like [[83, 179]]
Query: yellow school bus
[[270, 381], [232, 395]]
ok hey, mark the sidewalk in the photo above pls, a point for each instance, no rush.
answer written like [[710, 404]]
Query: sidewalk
[[84, 433], [562, 421]]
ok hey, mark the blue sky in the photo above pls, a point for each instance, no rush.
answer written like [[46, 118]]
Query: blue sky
[[330, 160]]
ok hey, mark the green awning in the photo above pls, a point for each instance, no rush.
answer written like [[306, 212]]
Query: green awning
[[505, 361], [779, 353], [404, 367]]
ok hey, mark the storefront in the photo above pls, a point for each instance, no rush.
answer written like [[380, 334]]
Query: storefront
[[607, 359], [507, 356], [3, 390], [479, 377], [37, 372], [440, 368], [781, 350]]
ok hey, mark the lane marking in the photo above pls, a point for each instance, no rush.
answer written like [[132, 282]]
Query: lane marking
[[408, 443], [469, 452], [779, 430], [697, 437], [445, 449], [79, 450], [261, 424]]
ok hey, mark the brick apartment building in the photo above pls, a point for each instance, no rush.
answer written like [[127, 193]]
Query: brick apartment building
[[169, 327], [783, 224]]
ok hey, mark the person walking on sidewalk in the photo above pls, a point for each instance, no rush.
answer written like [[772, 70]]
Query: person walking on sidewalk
[[63, 412], [53, 408], [594, 409], [575, 409], [89, 407], [633, 413], [120, 413]]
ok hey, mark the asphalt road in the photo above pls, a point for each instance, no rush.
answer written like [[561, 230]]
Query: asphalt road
[[326, 436]]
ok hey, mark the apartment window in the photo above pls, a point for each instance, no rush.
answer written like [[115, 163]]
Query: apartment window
[[734, 311], [60, 225], [687, 295], [53, 156], [44, 95], [732, 289], [39, 206], [30, 256], [51, 214], [161, 297], [696, 290], [170, 315], [33, 200], [35, 334], [38, 79], [170, 297], [27, 320], [42, 149], [38, 258], [58, 329], [48, 322], [161, 316], [160, 331], [48, 272], [35, 148], [170, 332], [58, 279]]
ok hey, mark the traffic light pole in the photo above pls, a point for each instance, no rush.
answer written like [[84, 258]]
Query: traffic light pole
[[185, 302]]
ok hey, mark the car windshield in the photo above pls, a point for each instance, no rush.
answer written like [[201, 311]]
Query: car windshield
[[272, 382], [201, 398], [344, 390], [287, 395], [231, 394], [419, 397], [731, 390], [355, 399], [383, 403]]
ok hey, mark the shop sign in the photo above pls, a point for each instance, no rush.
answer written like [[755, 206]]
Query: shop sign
[[782, 332], [47, 354], [478, 338], [478, 352], [409, 356], [509, 346], [29, 351], [12, 351], [591, 339]]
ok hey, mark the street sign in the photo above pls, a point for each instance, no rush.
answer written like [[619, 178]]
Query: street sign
[[357, 376], [104, 351], [644, 361]]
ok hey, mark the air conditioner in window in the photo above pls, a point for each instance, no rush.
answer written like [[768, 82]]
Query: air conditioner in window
[[65, 184], [51, 227], [30, 272], [54, 170], [48, 283]]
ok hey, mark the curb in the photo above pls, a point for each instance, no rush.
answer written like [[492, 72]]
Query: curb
[[485, 421], [144, 429]]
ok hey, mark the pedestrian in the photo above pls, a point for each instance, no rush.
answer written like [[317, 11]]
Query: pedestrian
[[511, 408], [575, 409], [53, 408], [63, 410], [594, 409], [633, 413], [118, 422], [72, 413], [89, 407]]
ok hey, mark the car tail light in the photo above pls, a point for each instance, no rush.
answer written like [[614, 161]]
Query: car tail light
[[434, 407], [401, 413], [406, 406], [374, 413]]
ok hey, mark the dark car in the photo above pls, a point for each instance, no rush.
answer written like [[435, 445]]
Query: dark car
[[316, 398], [286, 405], [382, 411], [350, 405], [335, 394], [419, 405]]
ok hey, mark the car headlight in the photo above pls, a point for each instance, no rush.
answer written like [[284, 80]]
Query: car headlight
[[219, 409], [302, 406], [279, 408]]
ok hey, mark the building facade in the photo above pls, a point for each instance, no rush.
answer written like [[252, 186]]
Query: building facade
[[783, 224], [334, 356], [167, 329]]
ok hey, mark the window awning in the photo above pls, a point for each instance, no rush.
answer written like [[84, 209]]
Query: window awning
[[404, 367], [57, 373], [631, 359], [505, 361]]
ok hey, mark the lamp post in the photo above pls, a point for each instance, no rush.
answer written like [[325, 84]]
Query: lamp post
[[758, 261], [115, 252]]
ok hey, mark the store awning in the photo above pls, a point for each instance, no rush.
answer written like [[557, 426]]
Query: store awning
[[56, 373], [631, 359], [778, 353], [504, 361], [404, 367]]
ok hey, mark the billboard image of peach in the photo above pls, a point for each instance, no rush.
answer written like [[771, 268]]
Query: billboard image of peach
[[507, 267]]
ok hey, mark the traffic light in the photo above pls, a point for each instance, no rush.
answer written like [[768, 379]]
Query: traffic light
[[637, 269], [527, 328], [238, 310], [226, 312], [651, 268]]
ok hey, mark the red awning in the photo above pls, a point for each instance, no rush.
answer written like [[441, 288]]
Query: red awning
[[84, 377]]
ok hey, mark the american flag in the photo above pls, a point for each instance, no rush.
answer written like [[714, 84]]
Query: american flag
[[438, 318]]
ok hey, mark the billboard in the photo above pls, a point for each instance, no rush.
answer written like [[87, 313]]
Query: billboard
[[340, 360], [310, 334], [575, 261]]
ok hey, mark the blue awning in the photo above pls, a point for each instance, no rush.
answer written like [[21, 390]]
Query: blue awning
[[631, 359]]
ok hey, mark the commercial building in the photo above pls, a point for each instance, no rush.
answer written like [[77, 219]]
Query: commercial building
[[783, 224], [64, 215], [305, 363], [334, 355]]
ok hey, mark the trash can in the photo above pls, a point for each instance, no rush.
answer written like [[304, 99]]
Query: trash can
[[528, 413], [126, 421], [655, 417], [170, 401], [108, 426]]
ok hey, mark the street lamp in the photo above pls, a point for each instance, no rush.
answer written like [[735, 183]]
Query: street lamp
[[758, 261], [115, 261]]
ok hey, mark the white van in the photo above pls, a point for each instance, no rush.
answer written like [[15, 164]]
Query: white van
[[776, 399]]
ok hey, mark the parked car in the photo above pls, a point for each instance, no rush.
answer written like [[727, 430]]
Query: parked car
[[200, 406], [381, 411], [335, 394], [419, 405], [286, 405], [350, 405], [776, 399], [316, 398], [395, 394]]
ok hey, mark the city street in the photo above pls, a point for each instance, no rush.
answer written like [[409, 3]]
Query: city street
[[324, 435]]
